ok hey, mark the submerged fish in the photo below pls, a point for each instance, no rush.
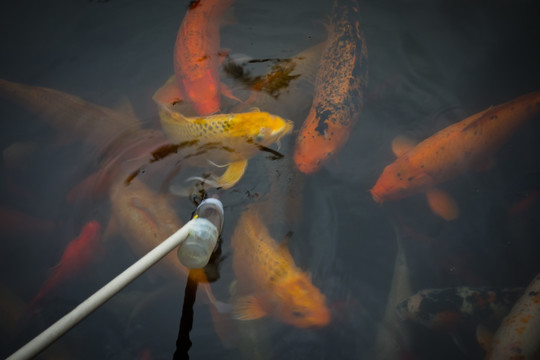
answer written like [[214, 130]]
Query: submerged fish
[[449, 308], [223, 139], [269, 282], [145, 219], [197, 58], [518, 337], [450, 152], [78, 119], [339, 89], [79, 253], [122, 160]]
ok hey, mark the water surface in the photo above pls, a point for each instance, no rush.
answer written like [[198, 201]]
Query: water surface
[[431, 63]]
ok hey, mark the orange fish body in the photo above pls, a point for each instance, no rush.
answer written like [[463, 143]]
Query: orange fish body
[[339, 88], [196, 58], [453, 150], [76, 257], [276, 286]]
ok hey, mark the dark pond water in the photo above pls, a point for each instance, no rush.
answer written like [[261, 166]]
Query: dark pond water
[[431, 63]]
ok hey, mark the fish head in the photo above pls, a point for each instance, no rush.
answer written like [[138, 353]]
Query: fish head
[[399, 180], [301, 304], [260, 128]]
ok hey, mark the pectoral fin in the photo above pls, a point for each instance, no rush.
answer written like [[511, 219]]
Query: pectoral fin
[[225, 91], [401, 145], [248, 308], [442, 204], [232, 175]]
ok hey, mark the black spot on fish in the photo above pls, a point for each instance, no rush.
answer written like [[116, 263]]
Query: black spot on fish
[[132, 176], [533, 293], [446, 300], [193, 4], [322, 116], [410, 178]]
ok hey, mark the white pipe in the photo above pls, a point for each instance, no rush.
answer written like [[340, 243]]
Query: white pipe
[[59, 328]]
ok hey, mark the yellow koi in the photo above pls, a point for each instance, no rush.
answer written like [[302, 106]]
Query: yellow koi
[[224, 139], [269, 280]]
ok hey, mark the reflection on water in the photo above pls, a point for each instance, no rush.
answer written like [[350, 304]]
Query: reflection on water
[[431, 64]]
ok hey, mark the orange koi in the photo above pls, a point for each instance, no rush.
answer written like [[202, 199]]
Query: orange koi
[[269, 281], [339, 89], [79, 253], [452, 151], [517, 336], [197, 58]]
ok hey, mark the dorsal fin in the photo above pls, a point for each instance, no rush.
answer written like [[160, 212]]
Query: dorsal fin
[[124, 106]]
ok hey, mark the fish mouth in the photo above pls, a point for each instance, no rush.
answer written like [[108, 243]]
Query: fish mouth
[[376, 197]]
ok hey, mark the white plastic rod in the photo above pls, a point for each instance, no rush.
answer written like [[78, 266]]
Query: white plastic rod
[[59, 328]]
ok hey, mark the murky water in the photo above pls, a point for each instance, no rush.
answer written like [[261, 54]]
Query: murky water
[[431, 63]]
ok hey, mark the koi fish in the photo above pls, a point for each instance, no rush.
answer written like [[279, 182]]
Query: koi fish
[[145, 219], [79, 253], [120, 161], [446, 309], [339, 89], [76, 118], [229, 139], [269, 281], [196, 59], [450, 152], [518, 335]]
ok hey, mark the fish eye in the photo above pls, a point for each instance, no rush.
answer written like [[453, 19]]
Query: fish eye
[[298, 313], [260, 136]]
